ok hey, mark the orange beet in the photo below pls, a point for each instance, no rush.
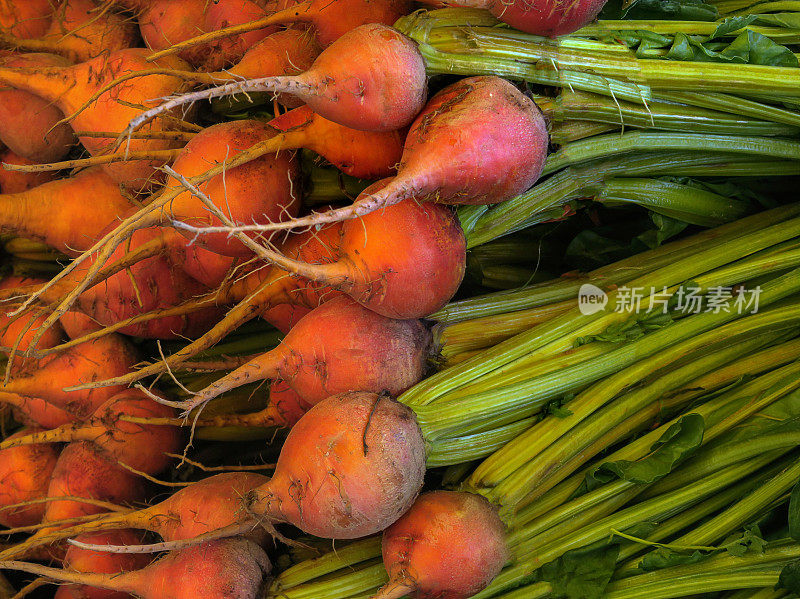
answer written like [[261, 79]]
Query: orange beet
[[27, 325], [140, 446], [68, 88], [340, 346], [16, 182], [223, 569], [56, 213], [369, 467], [29, 18], [328, 19], [449, 545], [362, 154], [85, 560], [36, 388], [78, 32], [261, 190], [84, 471], [167, 22], [24, 476], [206, 505], [372, 79], [27, 121]]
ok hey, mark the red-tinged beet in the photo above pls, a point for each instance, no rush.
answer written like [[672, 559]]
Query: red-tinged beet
[[35, 389], [30, 18], [69, 87], [56, 213], [449, 545], [79, 32], [339, 346], [350, 467], [164, 23], [25, 325], [548, 18], [143, 447], [85, 560], [24, 476], [203, 506], [17, 182], [27, 121], [233, 568], [372, 79], [478, 141]]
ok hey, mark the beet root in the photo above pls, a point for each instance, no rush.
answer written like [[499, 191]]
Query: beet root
[[449, 545], [371, 79], [339, 346], [24, 476], [549, 18], [27, 121], [143, 447], [350, 467], [232, 568], [85, 560], [477, 141]]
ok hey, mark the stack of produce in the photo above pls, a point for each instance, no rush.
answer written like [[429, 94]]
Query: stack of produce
[[504, 298]]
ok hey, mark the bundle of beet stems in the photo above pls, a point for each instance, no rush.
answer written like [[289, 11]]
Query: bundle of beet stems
[[723, 452]]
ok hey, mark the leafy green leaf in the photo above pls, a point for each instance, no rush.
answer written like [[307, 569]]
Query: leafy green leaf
[[581, 573], [557, 409], [749, 47], [790, 20], [794, 513], [589, 250], [748, 541], [677, 443], [789, 577], [732, 24], [666, 228], [666, 558], [629, 330]]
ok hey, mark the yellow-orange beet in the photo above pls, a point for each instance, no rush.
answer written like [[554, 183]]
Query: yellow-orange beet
[[78, 32], [69, 87], [449, 545], [27, 121], [350, 467], [24, 476]]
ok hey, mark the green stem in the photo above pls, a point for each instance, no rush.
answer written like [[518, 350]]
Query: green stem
[[567, 328], [608, 145], [507, 404], [683, 202], [618, 273], [683, 587], [520, 469], [587, 179], [655, 115], [685, 519]]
